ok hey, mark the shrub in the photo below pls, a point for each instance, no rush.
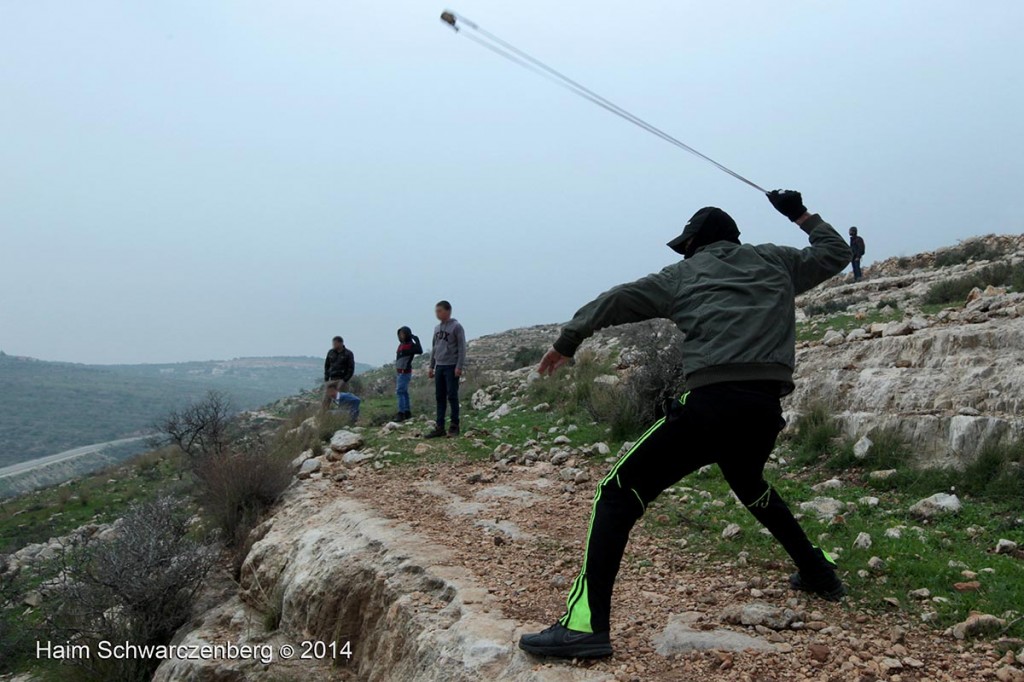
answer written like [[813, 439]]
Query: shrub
[[888, 451], [977, 249], [202, 429], [836, 305], [997, 474], [238, 487], [814, 435], [138, 587], [612, 406], [15, 638], [526, 356], [956, 290]]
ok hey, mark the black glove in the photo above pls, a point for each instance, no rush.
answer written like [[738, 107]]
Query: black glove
[[788, 202]]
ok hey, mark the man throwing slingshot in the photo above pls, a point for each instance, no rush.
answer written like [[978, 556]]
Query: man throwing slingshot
[[735, 305]]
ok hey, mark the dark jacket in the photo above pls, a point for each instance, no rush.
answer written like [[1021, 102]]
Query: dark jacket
[[407, 351], [733, 303], [857, 246], [339, 365]]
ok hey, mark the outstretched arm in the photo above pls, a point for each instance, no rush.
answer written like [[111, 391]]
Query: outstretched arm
[[645, 299]]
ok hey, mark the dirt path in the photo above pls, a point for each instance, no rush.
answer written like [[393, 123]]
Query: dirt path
[[520, 531]]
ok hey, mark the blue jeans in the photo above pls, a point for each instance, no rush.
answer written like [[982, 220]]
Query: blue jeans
[[402, 391], [446, 390], [352, 401], [856, 269]]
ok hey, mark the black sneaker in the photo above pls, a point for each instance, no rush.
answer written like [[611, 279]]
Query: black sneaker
[[438, 432], [400, 417], [823, 581], [562, 642], [453, 431]]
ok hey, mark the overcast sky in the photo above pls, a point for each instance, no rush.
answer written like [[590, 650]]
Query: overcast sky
[[197, 180]]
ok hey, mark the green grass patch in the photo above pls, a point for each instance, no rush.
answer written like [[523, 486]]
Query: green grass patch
[[101, 497], [814, 330]]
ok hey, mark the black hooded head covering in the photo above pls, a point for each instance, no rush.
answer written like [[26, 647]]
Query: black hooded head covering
[[707, 226]]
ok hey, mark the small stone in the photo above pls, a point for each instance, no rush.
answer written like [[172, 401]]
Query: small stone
[[308, 468], [731, 531], [868, 501], [969, 586], [862, 448], [563, 440], [542, 407], [1006, 546], [833, 338], [830, 484], [876, 564], [922, 593], [976, 624], [882, 474], [937, 504], [819, 652], [863, 541]]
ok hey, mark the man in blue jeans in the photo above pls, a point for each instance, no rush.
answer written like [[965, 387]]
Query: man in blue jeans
[[447, 357]]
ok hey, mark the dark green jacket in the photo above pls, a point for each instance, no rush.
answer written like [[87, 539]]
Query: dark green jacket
[[733, 303]]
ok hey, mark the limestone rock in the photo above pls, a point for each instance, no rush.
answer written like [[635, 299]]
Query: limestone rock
[[1006, 546], [344, 440], [354, 457], [858, 334], [308, 468], [833, 338], [503, 411], [862, 448], [863, 541], [937, 504], [731, 531], [976, 624], [899, 328], [759, 613], [830, 484], [481, 399], [679, 638], [825, 507]]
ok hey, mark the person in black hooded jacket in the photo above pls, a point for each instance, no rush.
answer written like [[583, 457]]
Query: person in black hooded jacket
[[408, 347]]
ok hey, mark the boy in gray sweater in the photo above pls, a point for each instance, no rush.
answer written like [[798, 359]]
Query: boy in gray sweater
[[447, 357]]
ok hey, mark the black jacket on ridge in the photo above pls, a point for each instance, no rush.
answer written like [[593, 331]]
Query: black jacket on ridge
[[339, 365]]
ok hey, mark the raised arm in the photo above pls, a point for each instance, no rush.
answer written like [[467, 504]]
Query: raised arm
[[828, 253]]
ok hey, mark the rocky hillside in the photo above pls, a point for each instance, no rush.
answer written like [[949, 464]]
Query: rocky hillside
[[948, 377]]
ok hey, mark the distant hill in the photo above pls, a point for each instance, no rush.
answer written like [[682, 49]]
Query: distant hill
[[46, 407]]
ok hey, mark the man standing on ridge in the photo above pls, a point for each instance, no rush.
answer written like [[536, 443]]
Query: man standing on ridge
[[857, 251], [735, 305], [339, 366], [447, 358]]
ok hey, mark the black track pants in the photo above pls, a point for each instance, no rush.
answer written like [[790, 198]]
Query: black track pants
[[733, 425]]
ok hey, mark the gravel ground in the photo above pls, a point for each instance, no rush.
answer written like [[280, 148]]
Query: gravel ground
[[521, 532]]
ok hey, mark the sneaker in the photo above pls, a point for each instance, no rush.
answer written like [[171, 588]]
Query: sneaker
[[408, 415], [562, 642], [824, 582], [400, 417], [438, 432], [453, 431]]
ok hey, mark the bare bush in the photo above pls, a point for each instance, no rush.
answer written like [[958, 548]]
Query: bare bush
[[15, 638], [138, 586], [202, 429], [238, 487]]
